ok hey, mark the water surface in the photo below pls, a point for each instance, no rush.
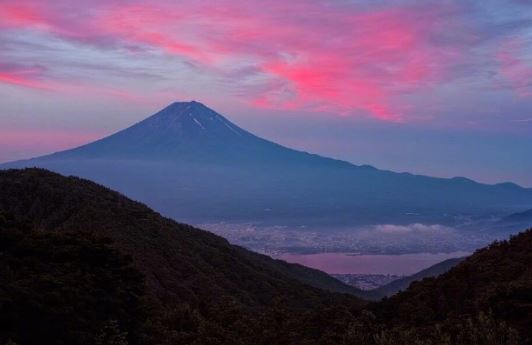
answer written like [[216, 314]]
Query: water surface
[[345, 263]]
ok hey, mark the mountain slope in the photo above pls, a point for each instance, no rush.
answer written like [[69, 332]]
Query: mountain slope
[[65, 275], [403, 283], [62, 288], [496, 279], [512, 223], [191, 163], [181, 263], [185, 131]]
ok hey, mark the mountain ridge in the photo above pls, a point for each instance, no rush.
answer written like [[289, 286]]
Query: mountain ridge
[[402, 284], [191, 163], [79, 205], [495, 280], [196, 127], [181, 109]]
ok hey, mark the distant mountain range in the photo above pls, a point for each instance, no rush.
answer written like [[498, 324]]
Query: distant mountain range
[[512, 223], [192, 164], [523, 218]]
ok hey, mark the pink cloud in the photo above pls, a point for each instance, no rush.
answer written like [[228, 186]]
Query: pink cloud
[[26, 143], [338, 57], [20, 80], [515, 69], [35, 77], [39, 141], [14, 15], [348, 60], [148, 25], [25, 76], [356, 61]]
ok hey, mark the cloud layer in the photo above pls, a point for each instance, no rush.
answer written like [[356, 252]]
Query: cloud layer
[[348, 57]]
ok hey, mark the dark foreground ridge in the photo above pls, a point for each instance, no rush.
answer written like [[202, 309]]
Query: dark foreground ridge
[[81, 264]]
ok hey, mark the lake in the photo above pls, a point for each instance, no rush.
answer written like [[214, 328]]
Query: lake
[[347, 263]]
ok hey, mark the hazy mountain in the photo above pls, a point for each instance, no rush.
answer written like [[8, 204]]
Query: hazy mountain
[[402, 284], [191, 163], [520, 218], [511, 223]]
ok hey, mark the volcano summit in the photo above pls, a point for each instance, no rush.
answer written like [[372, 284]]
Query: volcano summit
[[191, 163]]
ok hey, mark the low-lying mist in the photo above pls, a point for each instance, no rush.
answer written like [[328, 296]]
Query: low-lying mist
[[375, 239]]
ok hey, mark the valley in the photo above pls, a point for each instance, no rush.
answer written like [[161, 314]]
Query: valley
[[367, 240], [383, 264]]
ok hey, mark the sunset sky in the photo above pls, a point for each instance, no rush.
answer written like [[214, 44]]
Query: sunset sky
[[434, 87]]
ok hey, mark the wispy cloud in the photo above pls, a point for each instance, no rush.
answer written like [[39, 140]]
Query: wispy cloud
[[516, 66], [29, 76], [352, 58]]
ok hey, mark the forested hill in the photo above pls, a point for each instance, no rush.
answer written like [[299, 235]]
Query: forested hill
[[124, 262], [403, 283], [496, 279], [179, 261], [80, 265]]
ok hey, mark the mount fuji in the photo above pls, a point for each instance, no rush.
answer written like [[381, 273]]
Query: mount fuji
[[191, 163]]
